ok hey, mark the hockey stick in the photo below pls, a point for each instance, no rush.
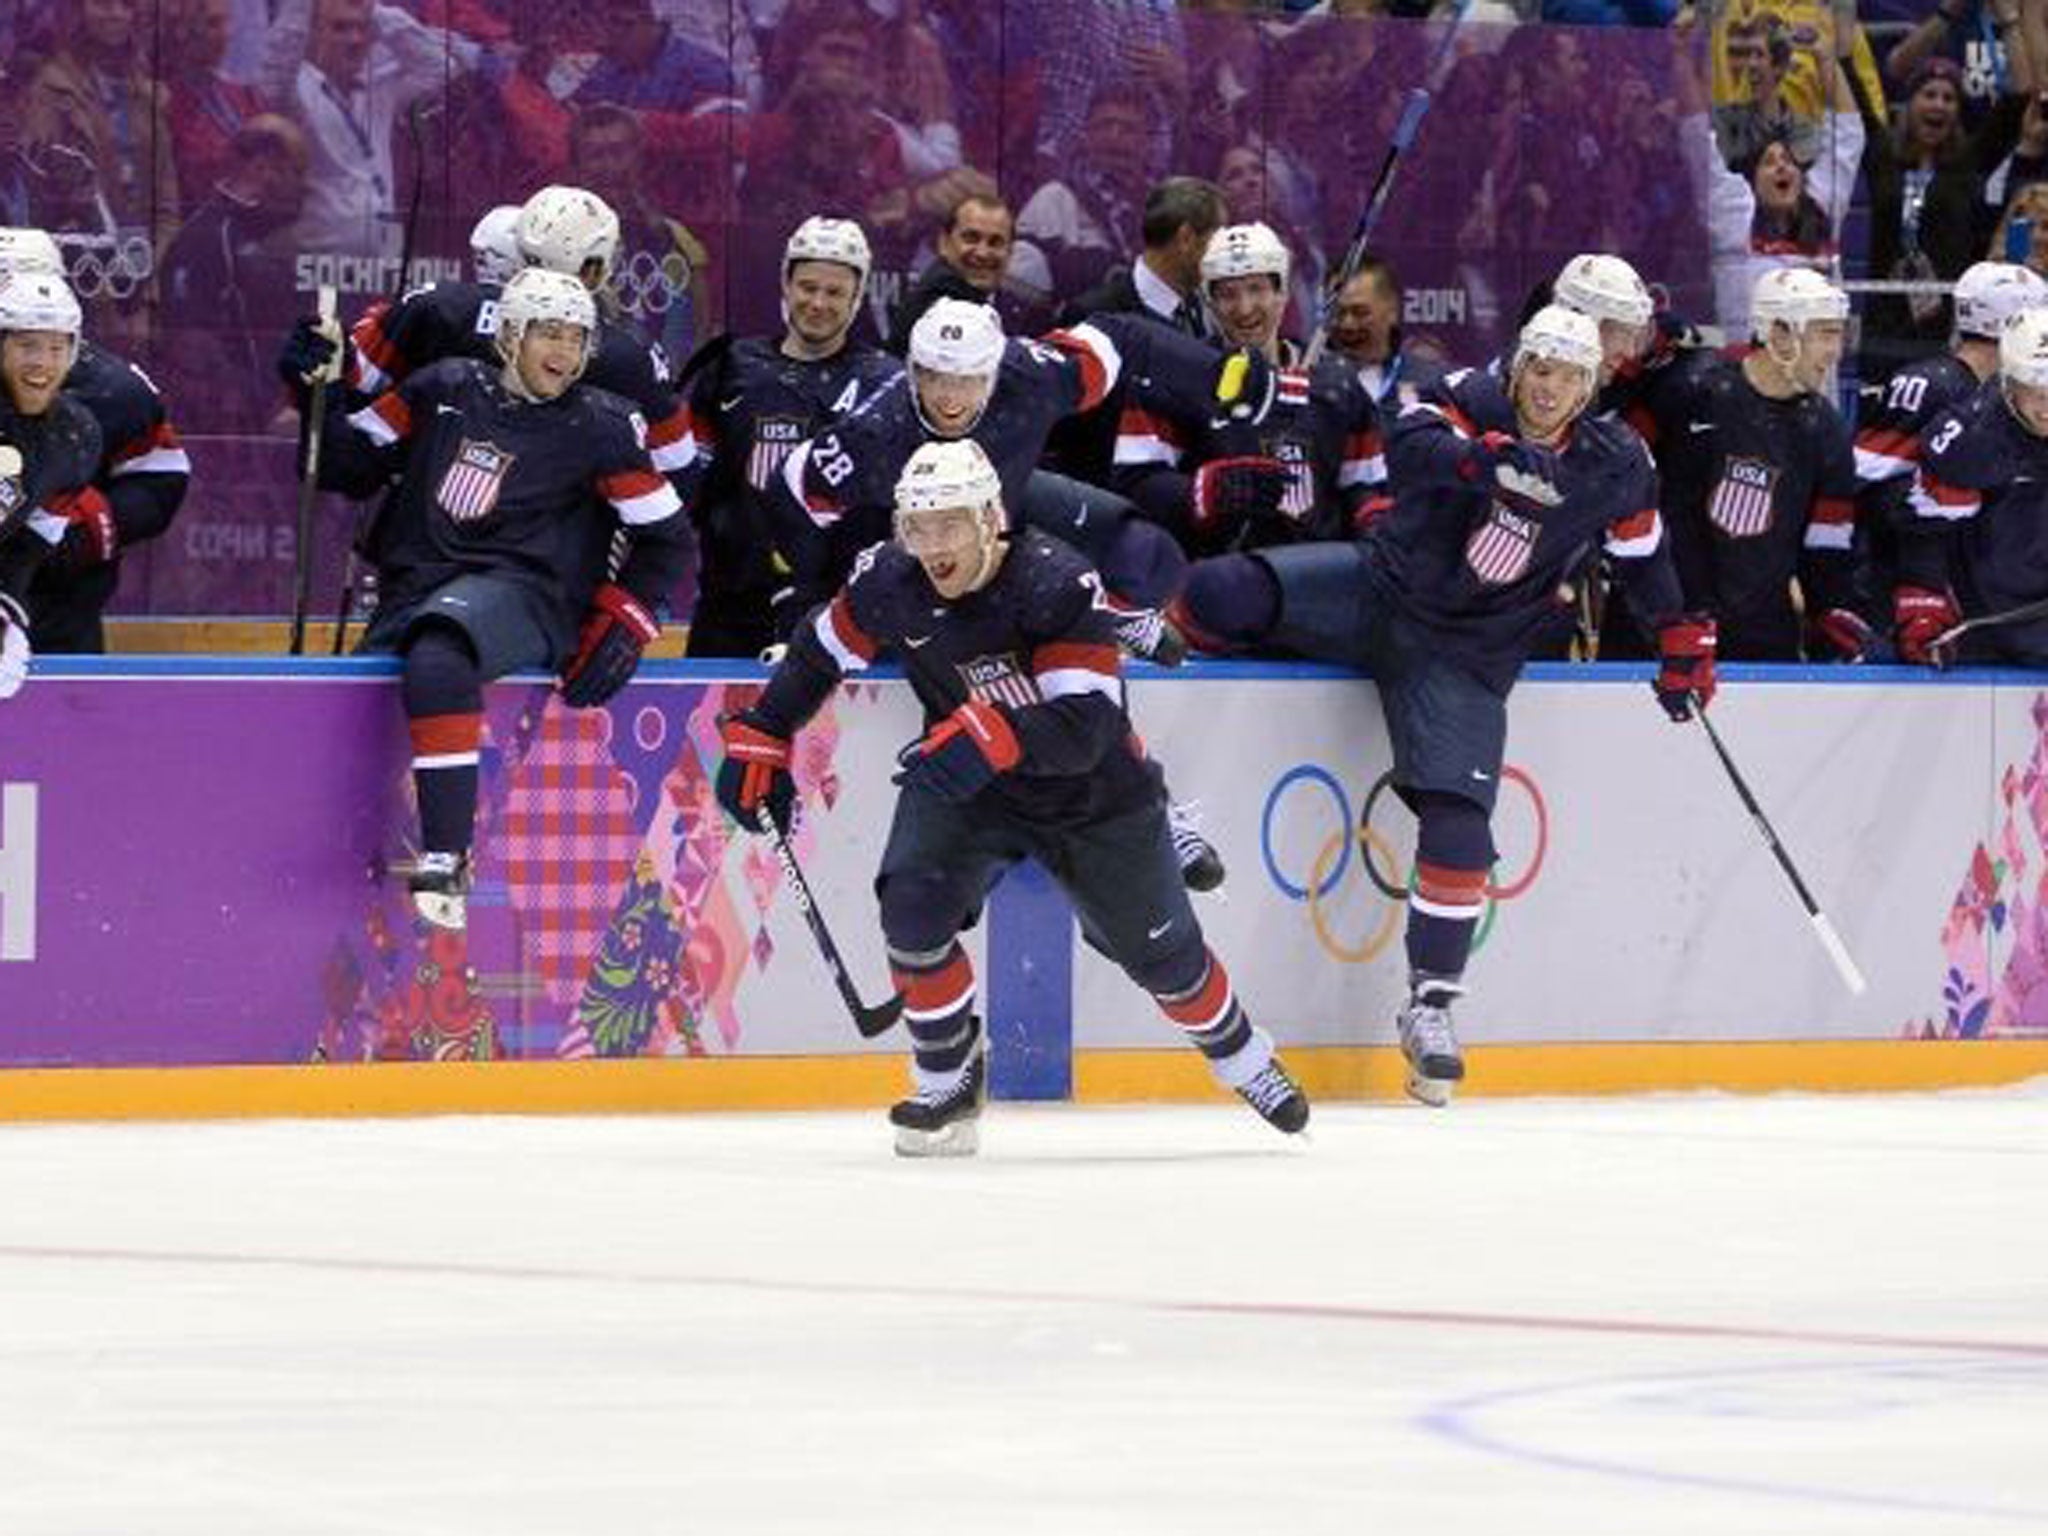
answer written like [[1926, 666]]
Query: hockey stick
[[309, 488], [869, 1021], [1830, 940], [1414, 107], [1942, 649], [413, 113]]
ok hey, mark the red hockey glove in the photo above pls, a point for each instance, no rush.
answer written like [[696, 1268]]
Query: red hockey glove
[[615, 631], [957, 758], [1522, 475], [92, 538], [754, 773], [1844, 635], [1920, 616], [1228, 493], [1685, 647]]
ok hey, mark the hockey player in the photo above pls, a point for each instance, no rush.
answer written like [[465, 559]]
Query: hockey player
[[1313, 468], [1971, 544], [511, 484], [752, 402], [1895, 414], [49, 450], [494, 246], [142, 477], [1499, 486], [1027, 753], [1758, 482]]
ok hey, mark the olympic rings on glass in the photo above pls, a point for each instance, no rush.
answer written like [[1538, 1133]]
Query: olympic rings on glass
[[107, 266], [647, 284]]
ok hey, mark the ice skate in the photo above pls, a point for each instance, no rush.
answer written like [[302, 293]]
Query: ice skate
[[439, 883], [1149, 635], [1435, 1063], [942, 1121], [1201, 866], [1277, 1098]]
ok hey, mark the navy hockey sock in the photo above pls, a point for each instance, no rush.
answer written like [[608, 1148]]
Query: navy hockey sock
[[1208, 1012], [1453, 862], [1233, 598], [938, 1008], [444, 710]]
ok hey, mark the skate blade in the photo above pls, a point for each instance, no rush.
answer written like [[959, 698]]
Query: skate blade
[[441, 911], [1433, 1091], [960, 1139]]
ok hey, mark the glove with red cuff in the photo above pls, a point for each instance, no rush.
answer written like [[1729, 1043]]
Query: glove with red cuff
[[1920, 616], [93, 538], [1521, 475], [1685, 676], [615, 631], [1228, 493], [754, 773], [957, 758], [1843, 635]]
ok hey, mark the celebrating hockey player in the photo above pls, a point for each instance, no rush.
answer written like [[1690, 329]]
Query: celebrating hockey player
[[512, 483], [1011, 648], [1499, 487], [1970, 546], [1311, 469], [753, 401], [142, 477], [49, 451]]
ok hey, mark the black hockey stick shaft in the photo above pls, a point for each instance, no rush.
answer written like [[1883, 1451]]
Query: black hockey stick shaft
[[309, 490], [1830, 940], [870, 1021]]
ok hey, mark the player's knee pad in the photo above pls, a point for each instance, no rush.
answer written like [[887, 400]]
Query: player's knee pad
[[1174, 971], [1452, 832], [442, 673], [1234, 598], [1142, 563], [921, 911]]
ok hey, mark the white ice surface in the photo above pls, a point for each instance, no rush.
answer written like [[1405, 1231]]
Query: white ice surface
[[1688, 1314]]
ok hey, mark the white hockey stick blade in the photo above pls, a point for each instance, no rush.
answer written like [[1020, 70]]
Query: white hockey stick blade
[[1831, 941]]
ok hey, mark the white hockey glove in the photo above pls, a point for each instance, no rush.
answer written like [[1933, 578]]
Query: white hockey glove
[[14, 653]]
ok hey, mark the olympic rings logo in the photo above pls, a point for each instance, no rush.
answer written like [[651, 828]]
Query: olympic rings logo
[[107, 266], [647, 284], [1378, 857]]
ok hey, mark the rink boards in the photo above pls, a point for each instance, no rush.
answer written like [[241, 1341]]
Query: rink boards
[[189, 902]]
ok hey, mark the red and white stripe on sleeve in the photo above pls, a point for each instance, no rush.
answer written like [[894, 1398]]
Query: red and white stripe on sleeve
[[1064, 668], [1935, 498], [1100, 362], [670, 442], [1885, 453], [378, 364], [1831, 524], [155, 452], [1365, 460], [844, 640], [639, 496], [1635, 536], [1143, 437], [385, 420]]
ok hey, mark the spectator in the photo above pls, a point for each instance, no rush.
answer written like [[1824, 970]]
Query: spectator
[[1085, 46], [1758, 52], [1249, 199], [1810, 25], [206, 109], [2027, 164], [2022, 235], [1976, 38], [1610, 13], [971, 260], [658, 276], [1365, 330], [1086, 220], [647, 64]]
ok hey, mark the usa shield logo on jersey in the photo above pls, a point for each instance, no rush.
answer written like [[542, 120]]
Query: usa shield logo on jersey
[[998, 680], [1741, 504], [1299, 494], [469, 490], [1499, 548], [774, 436]]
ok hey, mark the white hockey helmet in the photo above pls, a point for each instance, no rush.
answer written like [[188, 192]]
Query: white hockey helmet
[[1990, 293], [1561, 335], [836, 240], [535, 293], [494, 245], [1793, 296], [2023, 349], [564, 229], [40, 301], [1605, 287], [960, 337], [29, 250], [941, 481], [1245, 250]]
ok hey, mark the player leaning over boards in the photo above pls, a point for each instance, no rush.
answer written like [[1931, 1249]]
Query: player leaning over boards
[[49, 448], [1011, 647], [1499, 487], [510, 481]]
